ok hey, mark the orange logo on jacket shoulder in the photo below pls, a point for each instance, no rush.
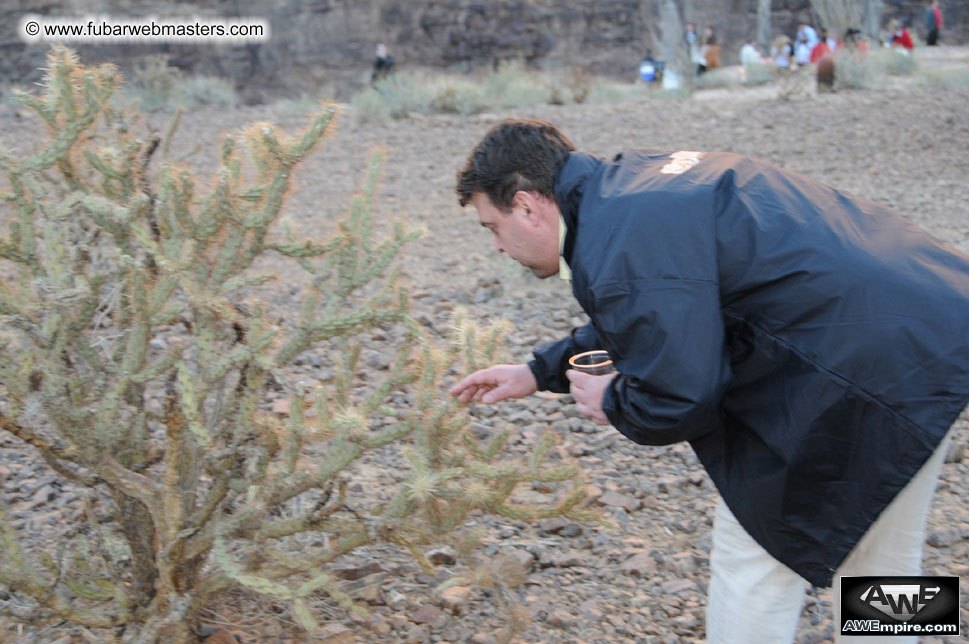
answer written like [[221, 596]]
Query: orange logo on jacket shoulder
[[682, 161]]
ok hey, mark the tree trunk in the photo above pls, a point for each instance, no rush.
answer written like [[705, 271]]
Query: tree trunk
[[764, 26], [872, 18]]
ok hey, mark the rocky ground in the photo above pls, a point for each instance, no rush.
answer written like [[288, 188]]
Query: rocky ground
[[643, 580]]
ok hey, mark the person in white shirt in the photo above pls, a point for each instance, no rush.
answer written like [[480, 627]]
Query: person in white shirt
[[809, 33], [749, 53], [802, 50]]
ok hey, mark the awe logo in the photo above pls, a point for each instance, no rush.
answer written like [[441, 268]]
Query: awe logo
[[901, 601], [899, 605]]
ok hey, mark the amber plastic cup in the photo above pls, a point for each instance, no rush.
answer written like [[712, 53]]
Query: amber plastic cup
[[594, 363]]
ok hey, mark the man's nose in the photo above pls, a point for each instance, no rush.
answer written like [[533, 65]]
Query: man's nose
[[498, 246]]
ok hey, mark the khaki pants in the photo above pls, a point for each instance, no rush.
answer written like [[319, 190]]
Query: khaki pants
[[754, 598]]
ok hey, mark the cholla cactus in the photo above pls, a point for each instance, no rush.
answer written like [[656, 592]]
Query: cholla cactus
[[121, 287]]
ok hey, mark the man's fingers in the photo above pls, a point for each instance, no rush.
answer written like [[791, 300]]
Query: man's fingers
[[495, 384], [471, 383], [481, 393], [577, 379], [493, 395], [595, 415]]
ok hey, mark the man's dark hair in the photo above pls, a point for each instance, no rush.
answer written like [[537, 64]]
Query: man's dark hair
[[514, 155]]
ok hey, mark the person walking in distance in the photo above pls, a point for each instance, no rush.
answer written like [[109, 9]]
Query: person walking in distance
[[933, 23]]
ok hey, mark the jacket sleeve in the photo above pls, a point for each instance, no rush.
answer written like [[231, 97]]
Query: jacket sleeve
[[667, 338], [551, 360]]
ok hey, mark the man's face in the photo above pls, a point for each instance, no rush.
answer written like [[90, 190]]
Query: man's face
[[529, 233]]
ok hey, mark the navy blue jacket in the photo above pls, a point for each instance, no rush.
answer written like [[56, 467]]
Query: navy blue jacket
[[812, 347]]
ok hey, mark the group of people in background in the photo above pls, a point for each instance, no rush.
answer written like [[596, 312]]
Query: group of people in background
[[704, 52], [807, 47]]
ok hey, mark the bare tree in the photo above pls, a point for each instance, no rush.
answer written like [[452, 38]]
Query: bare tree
[[672, 43], [872, 18], [838, 15], [763, 26]]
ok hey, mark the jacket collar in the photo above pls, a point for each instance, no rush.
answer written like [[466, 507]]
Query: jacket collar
[[569, 187]]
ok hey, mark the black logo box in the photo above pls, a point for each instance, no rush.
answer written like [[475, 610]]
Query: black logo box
[[942, 608]]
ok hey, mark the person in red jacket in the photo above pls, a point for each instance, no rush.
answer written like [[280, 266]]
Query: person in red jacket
[[899, 36], [933, 23], [820, 49]]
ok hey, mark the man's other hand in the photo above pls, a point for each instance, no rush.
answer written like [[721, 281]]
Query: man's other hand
[[496, 383], [588, 391]]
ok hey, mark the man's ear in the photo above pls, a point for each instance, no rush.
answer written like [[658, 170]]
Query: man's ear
[[523, 200], [531, 204]]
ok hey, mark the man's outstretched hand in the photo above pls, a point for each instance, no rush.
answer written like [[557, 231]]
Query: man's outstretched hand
[[496, 383]]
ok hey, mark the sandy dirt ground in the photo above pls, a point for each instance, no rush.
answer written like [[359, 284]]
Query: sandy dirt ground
[[902, 145]]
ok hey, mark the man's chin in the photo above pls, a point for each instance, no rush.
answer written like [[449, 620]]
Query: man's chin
[[542, 274]]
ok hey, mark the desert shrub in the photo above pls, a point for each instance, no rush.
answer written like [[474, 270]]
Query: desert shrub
[[155, 82], [758, 73], [404, 94], [208, 90], [138, 362], [157, 85], [296, 107], [514, 86], [368, 106], [944, 77], [580, 85], [716, 79], [458, 95], [893, 62], [608, 92], [854, 70]]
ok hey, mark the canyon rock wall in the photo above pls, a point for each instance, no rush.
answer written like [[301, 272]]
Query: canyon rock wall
[[316, 42]]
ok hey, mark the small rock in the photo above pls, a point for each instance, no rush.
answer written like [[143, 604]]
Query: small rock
[[219, 637], [367, 588], [813, 636], [561, 426], [553, 525], [425, 614], [615, 499], [560, 618], [380, 626], [456, 599], [568, 559], [944, 537], [481, 431], [571, 530], [334, 634], [358, 572], [590, 610], [281, 406], [43, 495], [676, 586], [396, 600], [639, 565], [442, 558], [956, 453], [684, 563]]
